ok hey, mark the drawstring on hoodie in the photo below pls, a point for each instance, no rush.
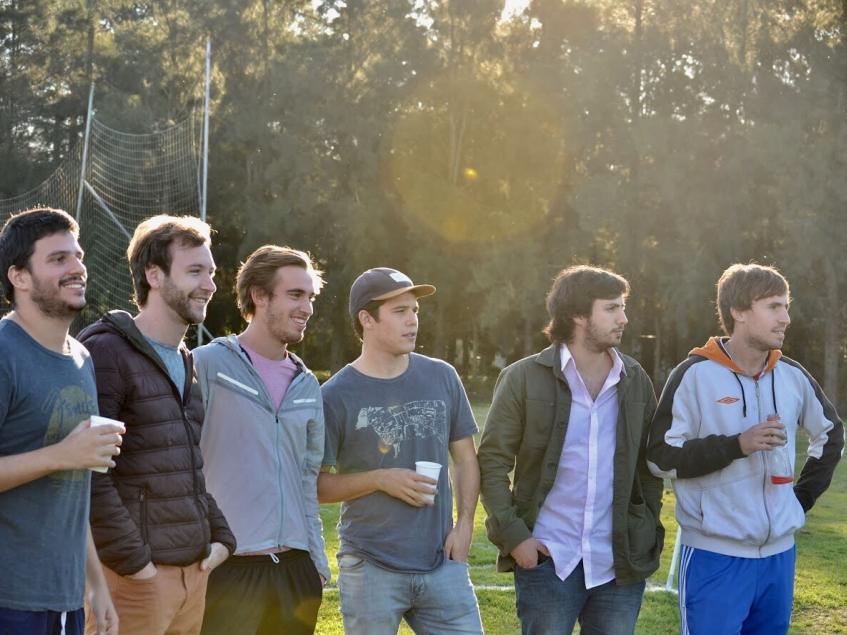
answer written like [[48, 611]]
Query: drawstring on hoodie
[[773, 390], [744, 397]]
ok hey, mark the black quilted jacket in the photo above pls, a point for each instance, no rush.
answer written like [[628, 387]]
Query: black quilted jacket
[[153, 506]]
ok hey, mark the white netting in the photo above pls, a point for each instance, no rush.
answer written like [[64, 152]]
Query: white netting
[[57, 190], [128, 177]]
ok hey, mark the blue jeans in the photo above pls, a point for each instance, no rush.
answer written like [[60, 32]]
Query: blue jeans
[[547, 605], [374, 600]]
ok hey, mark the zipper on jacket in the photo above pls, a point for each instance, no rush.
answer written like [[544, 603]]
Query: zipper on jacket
[[182, 398], [764, 470], [277, 433], [204, 517]]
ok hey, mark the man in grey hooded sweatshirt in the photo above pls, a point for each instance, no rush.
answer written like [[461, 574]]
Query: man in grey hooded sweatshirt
[[263, 440]]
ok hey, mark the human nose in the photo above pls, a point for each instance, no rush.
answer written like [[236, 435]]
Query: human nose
[[623, 320], [209, 284], [308, 306], [78, 266]]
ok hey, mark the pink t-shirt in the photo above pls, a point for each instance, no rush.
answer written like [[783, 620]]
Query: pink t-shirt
[[276, 373]]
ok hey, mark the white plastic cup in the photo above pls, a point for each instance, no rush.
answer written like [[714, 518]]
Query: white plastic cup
[[430, 469], [97, 420]]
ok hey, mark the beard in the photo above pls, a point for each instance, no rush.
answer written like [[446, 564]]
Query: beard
[[275, 324], [180, 303], [599, 341], [49, 301], [762, 344]]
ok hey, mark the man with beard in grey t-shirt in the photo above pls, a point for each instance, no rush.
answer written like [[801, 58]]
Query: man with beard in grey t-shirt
[[400, 555], [47, 442]]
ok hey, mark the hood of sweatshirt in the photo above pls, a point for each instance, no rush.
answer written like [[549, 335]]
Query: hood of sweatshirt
[[714, 350]]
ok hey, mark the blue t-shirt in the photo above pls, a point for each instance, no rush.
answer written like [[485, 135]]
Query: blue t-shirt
[[43, 523], [384, 423], [173, 361]]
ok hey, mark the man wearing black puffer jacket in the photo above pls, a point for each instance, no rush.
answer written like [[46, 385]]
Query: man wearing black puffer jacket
[[157, 531]]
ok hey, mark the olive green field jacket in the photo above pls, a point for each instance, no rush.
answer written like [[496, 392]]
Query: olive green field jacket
[[524, 433]]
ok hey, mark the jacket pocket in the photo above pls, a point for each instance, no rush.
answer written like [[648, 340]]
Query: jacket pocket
[[736, 511], [240, 388], [646, 538], [787, 515]]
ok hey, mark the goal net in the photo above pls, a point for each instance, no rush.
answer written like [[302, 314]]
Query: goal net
[[126, 178]]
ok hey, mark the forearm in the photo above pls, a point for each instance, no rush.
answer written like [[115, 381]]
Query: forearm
[[335, 488], [466, 483], [314, 526], [18, 469], [674, 448], [498, 451], [93, 569]]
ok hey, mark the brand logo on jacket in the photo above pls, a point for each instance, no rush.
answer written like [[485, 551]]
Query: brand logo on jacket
[[728, 400]]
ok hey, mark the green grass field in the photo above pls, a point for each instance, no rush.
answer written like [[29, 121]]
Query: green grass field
[[820, 587]]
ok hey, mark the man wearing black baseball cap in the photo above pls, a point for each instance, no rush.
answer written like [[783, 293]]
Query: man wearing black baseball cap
[[400, 555]]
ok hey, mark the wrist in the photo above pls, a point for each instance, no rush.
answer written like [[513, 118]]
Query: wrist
[[55, 459], [464, 518], [379, 476]]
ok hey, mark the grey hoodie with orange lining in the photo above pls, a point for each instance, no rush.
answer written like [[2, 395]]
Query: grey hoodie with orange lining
[[724, 501]]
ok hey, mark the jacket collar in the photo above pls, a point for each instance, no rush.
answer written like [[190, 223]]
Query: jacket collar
[[123, 323], [231, 343], [552, 358]]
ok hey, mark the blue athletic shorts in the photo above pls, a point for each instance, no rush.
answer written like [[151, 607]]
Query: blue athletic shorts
[[14, 622], [735, 596]]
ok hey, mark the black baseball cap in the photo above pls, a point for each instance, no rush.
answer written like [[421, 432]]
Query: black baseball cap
[[382, 283]]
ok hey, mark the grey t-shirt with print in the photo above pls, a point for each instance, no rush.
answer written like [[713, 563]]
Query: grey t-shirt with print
[[43, 523], [386, 423]]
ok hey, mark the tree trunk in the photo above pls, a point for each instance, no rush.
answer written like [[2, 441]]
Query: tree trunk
[[440, 341], [527, 337], [656, 371], [336, 344], [832, 333]]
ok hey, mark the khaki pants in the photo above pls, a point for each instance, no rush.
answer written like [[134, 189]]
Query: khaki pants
[[169, 603]]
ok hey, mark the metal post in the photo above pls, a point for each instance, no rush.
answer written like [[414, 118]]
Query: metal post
[[85, 151], [204, 184], [205, 181], [674, 560]]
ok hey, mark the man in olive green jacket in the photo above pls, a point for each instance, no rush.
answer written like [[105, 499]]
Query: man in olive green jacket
[[580, 523]]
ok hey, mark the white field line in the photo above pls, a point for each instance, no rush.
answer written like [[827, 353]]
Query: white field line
[[510, 588]]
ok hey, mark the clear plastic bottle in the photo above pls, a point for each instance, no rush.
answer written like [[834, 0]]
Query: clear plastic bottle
[[778, 462]]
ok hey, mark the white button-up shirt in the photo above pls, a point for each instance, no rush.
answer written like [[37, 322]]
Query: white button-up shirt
[[575, 522]]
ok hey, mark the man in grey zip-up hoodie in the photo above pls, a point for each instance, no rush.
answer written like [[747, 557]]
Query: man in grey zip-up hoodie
[[726, 413], [263, 440]]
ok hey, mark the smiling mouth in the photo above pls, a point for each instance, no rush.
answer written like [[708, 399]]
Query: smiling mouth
[[76, 283]]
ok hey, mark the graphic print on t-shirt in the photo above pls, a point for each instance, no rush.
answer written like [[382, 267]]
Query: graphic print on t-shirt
[[67, 407], [395, 424]]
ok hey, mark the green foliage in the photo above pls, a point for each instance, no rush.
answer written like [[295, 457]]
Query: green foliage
[[664, 139]]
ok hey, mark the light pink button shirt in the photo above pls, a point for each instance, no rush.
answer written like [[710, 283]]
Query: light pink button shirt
[[575, 522]]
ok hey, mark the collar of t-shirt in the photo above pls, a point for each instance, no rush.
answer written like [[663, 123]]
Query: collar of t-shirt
[[173, 361], [277, 374]]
